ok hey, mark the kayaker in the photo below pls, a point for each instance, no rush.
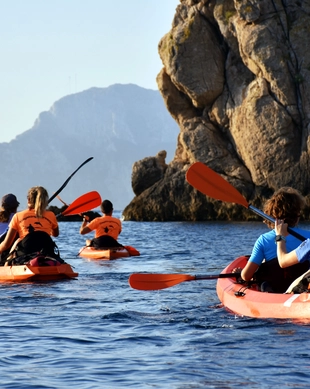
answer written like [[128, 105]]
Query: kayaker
[[107, 228], [300, 255], [287, 204], [9, 205], [34, 226]]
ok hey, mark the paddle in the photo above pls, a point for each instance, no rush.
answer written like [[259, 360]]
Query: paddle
[[213, 185], [67, 180], [161, 281], [61, 200], [84, 203]]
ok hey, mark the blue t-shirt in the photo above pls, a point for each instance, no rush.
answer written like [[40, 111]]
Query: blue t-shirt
[[266, 248], [5, 226], [303, 251]]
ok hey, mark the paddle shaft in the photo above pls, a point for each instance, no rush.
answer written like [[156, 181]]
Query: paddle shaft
[[272, 220], [210, 183], [60, 199], [216, 276], [67, 180]]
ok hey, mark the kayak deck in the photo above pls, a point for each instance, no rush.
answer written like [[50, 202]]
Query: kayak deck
[[20, 273], [249, 301], [107, 253]]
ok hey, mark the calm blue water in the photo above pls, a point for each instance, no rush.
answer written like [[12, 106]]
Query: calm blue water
[[97, 332]]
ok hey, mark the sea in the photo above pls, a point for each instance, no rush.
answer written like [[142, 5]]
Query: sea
[[98, 332]]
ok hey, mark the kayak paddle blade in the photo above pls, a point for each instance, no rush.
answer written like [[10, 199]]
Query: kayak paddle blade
[[84, 203], [210, 183]]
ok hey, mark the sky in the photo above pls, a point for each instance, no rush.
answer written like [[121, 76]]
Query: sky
[[54, 48]]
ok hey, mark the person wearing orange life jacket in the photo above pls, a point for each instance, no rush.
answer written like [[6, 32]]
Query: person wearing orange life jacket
[[34, 226], [107, 228]]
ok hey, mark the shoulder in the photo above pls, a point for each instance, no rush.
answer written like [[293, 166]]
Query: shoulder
[[266, 238], [49, 215], [19, 215]]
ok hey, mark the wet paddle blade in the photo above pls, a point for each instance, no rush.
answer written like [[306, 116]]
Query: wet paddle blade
[[157, 281], [204, 179], [84, 203], [161, 281]]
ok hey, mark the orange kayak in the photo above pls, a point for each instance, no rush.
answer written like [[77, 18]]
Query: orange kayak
[[108, 253], [249, 301], [22, 273]]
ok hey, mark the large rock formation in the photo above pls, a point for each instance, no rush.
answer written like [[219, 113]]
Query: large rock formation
[[236, 79]]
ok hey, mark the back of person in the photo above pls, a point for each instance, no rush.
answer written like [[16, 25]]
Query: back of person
[[9, 205], [265, 248], [34, 226], [107, 228], [263, 266], [106, 225], [26, 221]]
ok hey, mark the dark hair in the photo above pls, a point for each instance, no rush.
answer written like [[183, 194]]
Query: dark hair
[[106, 206], [286, 203], [9, 205], [5, 215]]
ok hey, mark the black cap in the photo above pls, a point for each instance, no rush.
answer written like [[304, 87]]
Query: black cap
[[9, 201]]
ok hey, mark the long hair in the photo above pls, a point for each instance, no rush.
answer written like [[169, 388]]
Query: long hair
[[38, 199], [5, 214], [287, 204]]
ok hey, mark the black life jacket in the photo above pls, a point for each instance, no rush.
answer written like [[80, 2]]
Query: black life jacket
[[105, 241], [279, 279], [37, 241]]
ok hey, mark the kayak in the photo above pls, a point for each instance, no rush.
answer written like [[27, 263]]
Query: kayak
[[108, 253], [22, 273], [249, 301]]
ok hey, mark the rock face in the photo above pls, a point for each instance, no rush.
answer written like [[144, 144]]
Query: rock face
[[236, 78]]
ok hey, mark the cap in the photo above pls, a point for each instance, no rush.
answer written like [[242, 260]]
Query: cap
[[10, 201]]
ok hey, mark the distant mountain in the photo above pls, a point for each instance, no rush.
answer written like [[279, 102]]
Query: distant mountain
[[117, 126]]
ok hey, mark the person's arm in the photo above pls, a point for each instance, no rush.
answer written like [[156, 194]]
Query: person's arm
[[55, 231], [285, 259], [248, 271], [9, 240], [84, 229]]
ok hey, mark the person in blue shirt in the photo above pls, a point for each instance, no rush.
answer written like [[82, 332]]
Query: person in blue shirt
[[285, 204], [9, 205], [290, 258]]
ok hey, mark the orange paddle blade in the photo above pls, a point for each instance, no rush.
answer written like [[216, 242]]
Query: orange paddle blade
[[84, 203], [204, 179], [157, 281]]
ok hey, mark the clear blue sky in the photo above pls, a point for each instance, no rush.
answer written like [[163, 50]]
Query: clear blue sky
[[50, 49]]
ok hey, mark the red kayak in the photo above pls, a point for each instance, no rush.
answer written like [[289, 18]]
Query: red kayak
[[249, 301], [108, 253]]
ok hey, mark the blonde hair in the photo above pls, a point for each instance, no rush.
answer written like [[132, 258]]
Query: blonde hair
[[38, 199]]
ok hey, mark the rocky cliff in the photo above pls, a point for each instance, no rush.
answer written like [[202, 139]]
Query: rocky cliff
[[236, 78]]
